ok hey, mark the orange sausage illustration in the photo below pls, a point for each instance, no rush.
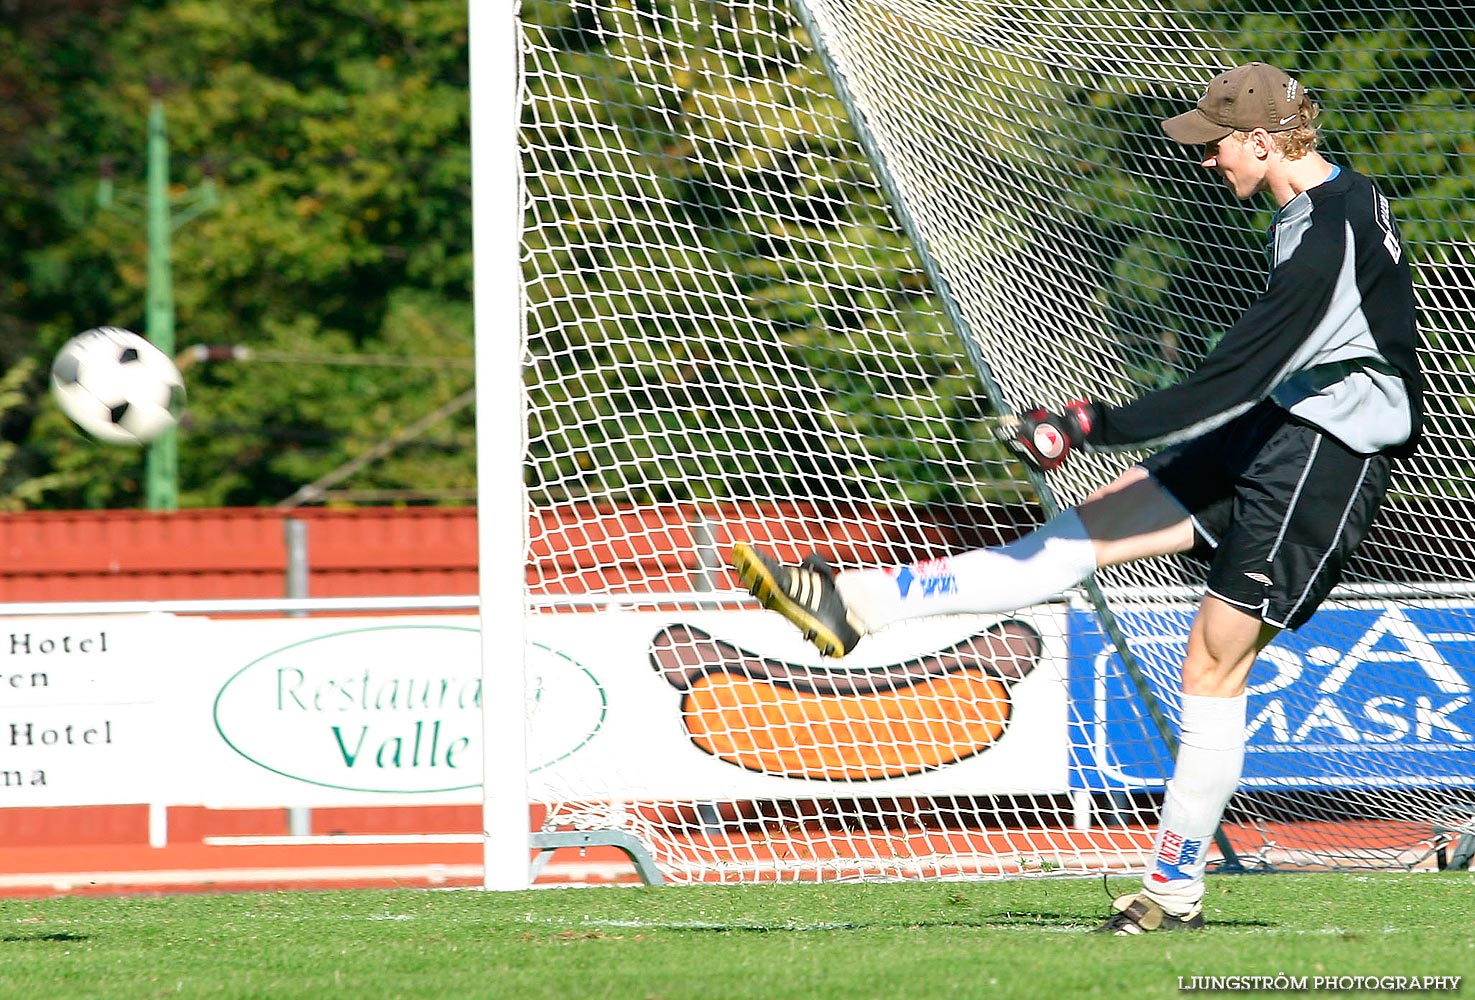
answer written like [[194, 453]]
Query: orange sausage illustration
[[838, 724]]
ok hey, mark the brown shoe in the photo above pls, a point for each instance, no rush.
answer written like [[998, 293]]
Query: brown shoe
[[1136, 913]]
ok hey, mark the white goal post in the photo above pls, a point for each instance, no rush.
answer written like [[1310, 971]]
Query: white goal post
[[763, 269], [496, 86]]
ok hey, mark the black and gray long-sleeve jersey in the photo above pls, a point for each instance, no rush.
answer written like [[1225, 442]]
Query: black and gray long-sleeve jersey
[[1332, 339]]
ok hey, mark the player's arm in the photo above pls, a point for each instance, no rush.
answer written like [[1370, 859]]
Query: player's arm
[[1250, 360], [1253, 357]]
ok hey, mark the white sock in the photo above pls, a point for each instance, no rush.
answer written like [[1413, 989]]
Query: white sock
[[1054, 557], [1211, 754]]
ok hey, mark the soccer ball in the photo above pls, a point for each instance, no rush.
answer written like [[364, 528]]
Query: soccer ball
[[117, 386]]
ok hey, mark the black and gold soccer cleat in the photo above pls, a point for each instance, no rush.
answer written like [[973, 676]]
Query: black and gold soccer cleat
[[1136, 913], [804, 594]]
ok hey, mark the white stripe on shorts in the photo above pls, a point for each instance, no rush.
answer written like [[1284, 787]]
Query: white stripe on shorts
[[1296, 498], [1336, 538]]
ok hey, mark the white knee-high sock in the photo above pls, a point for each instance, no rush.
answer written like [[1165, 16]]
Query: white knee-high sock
[[1028, 570], [1211, 755]]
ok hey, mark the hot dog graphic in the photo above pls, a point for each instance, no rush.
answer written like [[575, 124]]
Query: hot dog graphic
[[835, 724]]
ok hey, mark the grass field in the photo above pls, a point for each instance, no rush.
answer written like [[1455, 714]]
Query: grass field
[[912, 940]]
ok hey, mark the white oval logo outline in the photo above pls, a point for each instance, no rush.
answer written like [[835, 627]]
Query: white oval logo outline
[[579, 744]]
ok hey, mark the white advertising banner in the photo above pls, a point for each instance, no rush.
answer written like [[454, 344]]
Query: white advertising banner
[[335, 712], [620, 705], [78, 708], [735, 704]]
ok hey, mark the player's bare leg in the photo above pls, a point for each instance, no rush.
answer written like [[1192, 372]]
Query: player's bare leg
[[1222, 647]]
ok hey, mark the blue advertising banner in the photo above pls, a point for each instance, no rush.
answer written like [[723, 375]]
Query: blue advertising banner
[[1367, 697]]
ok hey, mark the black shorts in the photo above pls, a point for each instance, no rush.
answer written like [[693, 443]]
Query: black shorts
[[1278, 508]]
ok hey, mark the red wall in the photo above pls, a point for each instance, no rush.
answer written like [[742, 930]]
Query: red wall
[[383, 552], [378, 552], [234, 553]]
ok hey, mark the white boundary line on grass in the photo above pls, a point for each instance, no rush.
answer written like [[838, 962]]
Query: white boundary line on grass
[[180, 877]]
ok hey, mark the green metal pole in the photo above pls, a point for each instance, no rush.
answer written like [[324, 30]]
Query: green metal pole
[[161, 484]]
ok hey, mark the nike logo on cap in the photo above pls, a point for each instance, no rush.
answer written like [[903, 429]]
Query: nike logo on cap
[[1289, 118]]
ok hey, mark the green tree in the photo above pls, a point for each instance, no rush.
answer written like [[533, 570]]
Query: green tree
[[52, 52], [766, 267], [338, 134]]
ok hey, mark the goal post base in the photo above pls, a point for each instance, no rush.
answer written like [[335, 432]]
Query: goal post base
[[1236, 866], [546, 843], [1455, 831]]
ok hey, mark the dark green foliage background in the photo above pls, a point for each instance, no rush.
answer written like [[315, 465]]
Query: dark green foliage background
[[338, 133]]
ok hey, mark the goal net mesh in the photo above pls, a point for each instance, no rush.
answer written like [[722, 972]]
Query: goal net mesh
[[783, 261]]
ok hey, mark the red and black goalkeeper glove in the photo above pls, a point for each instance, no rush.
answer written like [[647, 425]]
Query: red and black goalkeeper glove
[[1044, 438]]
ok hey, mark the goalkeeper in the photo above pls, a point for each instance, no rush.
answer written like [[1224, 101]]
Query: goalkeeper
[[1271, 458]]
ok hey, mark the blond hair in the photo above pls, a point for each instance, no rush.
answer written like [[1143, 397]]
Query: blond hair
[[1296, 142], [1302, 139]]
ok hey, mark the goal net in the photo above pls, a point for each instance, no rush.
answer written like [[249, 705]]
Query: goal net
[[783, 260]]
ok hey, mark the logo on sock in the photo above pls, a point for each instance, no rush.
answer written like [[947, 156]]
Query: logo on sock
[[1175, 855], [931, 577]]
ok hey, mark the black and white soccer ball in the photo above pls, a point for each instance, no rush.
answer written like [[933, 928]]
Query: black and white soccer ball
[[117, 386]]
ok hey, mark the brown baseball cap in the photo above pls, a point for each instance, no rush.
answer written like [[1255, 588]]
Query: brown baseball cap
[[1241, 100]]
